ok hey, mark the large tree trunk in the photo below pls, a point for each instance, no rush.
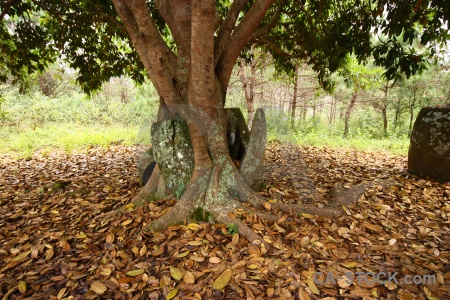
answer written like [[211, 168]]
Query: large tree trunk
[[192, 85]]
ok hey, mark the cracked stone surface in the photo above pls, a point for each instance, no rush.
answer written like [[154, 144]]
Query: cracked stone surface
[[429, 151]]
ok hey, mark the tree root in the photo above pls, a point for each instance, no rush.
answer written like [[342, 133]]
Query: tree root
[[243, 229], [215, 198], [151, 192], [345, 197], [340, 197], [176, 215], [221, 190]]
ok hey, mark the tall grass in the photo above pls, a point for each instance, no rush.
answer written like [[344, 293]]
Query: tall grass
[[365, 133], [34, 121], [66, 136]]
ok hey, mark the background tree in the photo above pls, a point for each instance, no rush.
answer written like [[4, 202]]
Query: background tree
[[429, 89], [381, 103], [251, 79], [359, 79], [188, 50]]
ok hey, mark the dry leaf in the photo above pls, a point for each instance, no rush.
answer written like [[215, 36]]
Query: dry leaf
[[21, 256], [194, 226], [98, 287], [61, 293], [312, 285], [215, 260], [175, 273], [135, 273], [182, 254], [303, 294], [188, 278], [343, 282], [126, 222], [308, 216], [195, 243], [22, 286], [223, 279], [172, 293]]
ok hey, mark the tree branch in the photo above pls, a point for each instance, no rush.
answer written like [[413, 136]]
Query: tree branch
[[158, 62], [201, 79], [274, 47], [227, 26], [239, 39], [6, 7], [271, 23], [147, 27]]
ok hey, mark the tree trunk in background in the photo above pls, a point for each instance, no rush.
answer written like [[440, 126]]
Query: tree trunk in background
[[332, 116], [294, 98], [385, 120], [397, 113], [249, 85], [411, 105], [348, 111], [383, 107]]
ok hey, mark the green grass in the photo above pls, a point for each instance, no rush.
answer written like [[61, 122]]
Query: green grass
[[24, 141], [390, 145]]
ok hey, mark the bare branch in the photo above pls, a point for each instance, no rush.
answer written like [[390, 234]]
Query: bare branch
[[147, 27], [272, 46], [6, 7], [227, 27], [273, 21], [240, 38], [145, 36]]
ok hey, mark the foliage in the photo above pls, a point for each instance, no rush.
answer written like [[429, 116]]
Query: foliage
[[87, 34], [24, 142], [360, 77], [2, 112], [35, 109], [278, 126], [91, 39], [69, 120], [180, 191], [232, 229], [201, 215]]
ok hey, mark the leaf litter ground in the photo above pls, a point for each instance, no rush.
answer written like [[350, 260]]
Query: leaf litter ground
[[57, 240]]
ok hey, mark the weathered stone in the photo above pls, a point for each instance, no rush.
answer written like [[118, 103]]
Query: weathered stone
[[429, 151], [161, 191], [144, 166], [237, 133], [253, 161], [172, 150]]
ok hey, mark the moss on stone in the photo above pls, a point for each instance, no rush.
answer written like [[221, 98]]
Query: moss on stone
[[201, 215], [172, 151]]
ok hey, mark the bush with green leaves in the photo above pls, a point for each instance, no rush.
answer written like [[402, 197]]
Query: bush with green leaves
[[35, 109], [2, 112], [279, 126]]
